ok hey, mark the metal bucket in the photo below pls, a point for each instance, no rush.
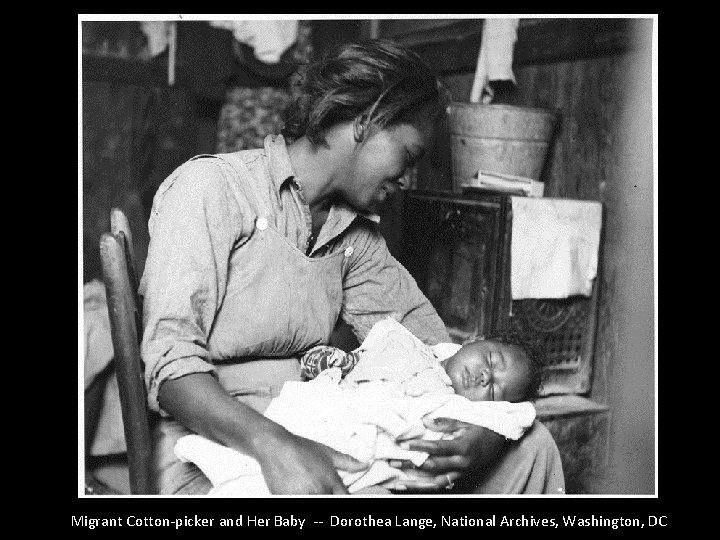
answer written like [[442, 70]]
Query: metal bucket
[[499, 139]]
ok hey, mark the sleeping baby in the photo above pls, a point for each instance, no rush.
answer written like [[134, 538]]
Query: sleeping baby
[[367, 402], [498, 368]]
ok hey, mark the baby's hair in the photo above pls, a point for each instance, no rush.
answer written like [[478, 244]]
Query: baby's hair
[[536, 356]]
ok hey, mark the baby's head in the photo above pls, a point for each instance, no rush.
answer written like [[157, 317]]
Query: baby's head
[[497, 368]]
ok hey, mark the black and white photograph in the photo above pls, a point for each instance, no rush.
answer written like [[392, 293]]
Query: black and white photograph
[[368, 256]]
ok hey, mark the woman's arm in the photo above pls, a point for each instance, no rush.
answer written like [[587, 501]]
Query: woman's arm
[[198, 217], [377, 286], [290, 464]]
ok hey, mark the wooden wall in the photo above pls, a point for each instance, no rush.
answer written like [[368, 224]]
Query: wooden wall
[[107, 149], [133, 137], [604, 152], [136, 128], [598, 74]]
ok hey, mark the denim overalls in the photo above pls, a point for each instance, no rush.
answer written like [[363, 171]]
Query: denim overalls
[[278, 303]]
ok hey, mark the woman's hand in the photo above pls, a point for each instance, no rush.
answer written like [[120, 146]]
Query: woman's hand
[[471, 450], [295, 465]]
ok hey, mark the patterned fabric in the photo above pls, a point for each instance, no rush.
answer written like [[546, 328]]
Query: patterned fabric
[[251, 114], [325, 357]]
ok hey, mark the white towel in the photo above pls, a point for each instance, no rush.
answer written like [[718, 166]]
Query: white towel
[[554, 247], [366, 421]]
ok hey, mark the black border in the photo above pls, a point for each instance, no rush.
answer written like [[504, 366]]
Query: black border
[[673, 482]]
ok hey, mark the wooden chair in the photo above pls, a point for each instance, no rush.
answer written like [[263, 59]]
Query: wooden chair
[[124, 308]]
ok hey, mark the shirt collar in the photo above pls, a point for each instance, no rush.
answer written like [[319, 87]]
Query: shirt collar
[[375, 218], [348, 213], [278, 160], [281, 170]]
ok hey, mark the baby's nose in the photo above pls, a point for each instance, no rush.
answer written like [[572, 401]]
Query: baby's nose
[[484, 377]]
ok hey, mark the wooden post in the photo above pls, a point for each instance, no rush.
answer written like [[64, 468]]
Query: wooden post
[[122, 309]]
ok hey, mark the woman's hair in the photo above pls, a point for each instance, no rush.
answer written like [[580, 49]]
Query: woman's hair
[[532, 349], [372, 83]]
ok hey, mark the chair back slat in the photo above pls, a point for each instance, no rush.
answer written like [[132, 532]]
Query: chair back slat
[[119, 223], [126, 330], [134, 284]]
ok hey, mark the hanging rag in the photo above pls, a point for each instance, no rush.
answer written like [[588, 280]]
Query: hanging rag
[[162, 35], [158, 35], [554, 247], [495, 58], [268, 39]]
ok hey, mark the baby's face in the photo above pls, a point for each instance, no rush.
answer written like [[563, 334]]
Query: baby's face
[[489, 371]]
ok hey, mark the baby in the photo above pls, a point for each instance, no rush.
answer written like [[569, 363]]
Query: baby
[[501, 367], [367, 402]]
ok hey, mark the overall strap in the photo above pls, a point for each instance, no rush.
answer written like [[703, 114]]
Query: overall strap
[[238, 165]]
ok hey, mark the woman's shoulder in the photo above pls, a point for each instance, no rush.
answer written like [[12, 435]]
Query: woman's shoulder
[[214, 172], [364, 234], [209, 181], [229, 165]]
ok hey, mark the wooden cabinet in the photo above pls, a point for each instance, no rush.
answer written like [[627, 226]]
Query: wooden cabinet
[[453, 246], [457, 247]]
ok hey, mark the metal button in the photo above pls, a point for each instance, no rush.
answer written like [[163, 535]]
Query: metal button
[[349, 251], [261, 223]]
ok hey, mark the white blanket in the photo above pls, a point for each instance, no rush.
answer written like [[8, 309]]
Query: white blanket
[[368, 421]]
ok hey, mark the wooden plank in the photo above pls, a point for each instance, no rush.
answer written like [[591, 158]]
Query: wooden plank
[[121, 70], [455, 48], [453, 54], [401, 27], [205, 65], [571, 39], [561, 406], [419, 32]]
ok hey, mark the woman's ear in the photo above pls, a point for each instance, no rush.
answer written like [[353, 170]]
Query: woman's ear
[[360, 128]]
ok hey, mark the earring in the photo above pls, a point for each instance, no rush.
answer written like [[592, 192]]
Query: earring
[[359, 132], [359, 128]]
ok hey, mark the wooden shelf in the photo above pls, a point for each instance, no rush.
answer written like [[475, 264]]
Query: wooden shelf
[[124, 70], [454, 46], [567, 405]]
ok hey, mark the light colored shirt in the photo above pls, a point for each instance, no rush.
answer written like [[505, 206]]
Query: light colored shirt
[[203, 219]]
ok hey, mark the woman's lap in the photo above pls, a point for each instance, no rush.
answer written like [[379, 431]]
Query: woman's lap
[[172, 476], [531, 466]]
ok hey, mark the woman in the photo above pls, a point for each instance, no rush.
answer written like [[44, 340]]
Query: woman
[[253, 257]]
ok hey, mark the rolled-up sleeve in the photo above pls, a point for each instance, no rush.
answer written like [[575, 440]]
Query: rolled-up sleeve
[[195, 222], [377, 286]]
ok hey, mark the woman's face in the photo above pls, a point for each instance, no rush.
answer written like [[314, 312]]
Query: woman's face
[[380, 164]]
